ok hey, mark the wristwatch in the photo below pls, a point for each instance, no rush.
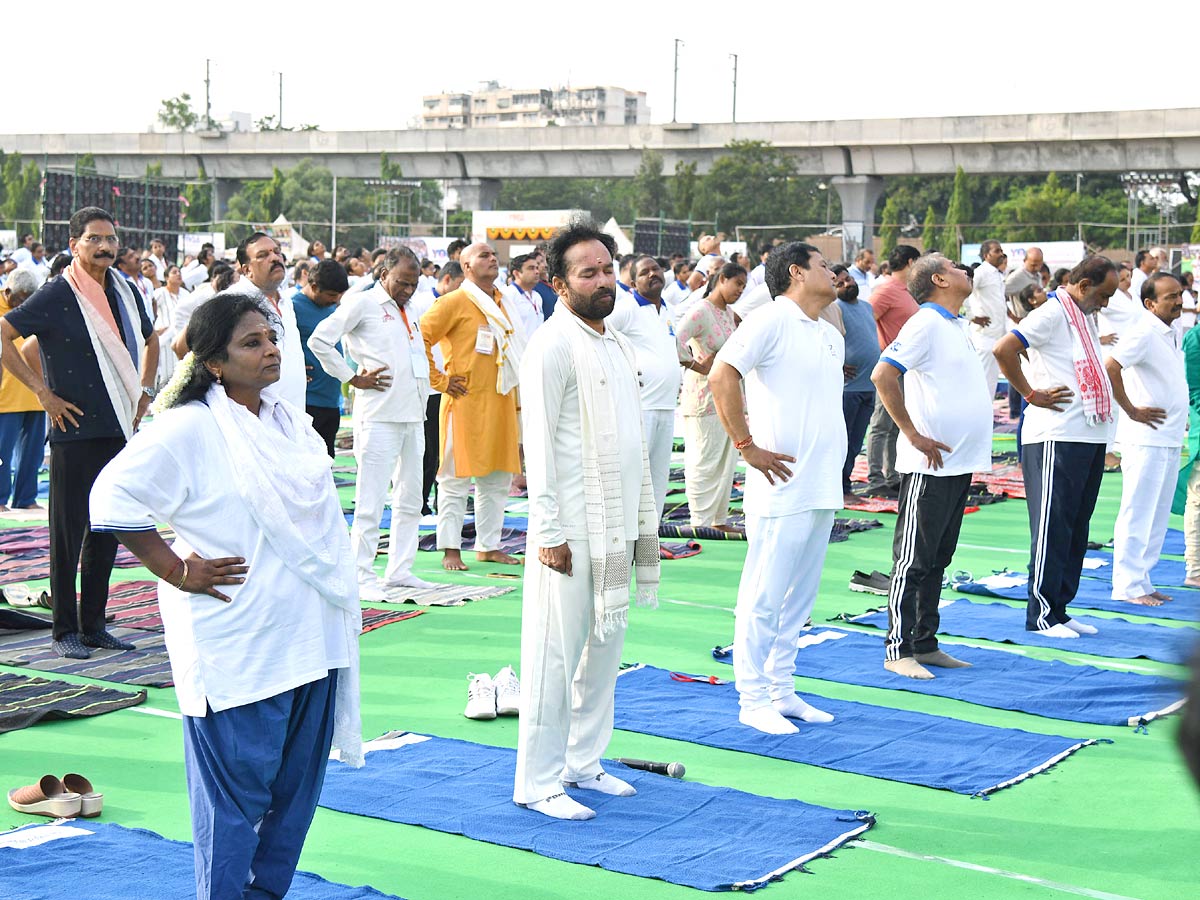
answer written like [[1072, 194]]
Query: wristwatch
[[149, 392]]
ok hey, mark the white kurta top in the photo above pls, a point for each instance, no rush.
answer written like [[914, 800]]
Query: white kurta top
[[373, 327], [553, 432], [278, 633], [987, 299]]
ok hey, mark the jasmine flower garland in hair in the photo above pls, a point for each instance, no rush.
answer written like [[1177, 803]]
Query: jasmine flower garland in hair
[[169, 395]]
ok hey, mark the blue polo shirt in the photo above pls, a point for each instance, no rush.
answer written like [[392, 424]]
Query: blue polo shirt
[[323, 389], [52, 314], [862, 344]]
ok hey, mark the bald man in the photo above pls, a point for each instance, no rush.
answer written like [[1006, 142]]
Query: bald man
[[482, 347]]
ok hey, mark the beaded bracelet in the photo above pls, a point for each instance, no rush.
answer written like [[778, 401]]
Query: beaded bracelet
[[742, 445]]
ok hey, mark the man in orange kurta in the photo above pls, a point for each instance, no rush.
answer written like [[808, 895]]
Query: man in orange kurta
[[479, 434]]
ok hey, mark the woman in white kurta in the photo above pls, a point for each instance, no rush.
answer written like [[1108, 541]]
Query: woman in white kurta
[[708, 455], [257, 595], [166, 301]]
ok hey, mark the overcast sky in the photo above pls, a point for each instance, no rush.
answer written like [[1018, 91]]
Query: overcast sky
[[366, 65]]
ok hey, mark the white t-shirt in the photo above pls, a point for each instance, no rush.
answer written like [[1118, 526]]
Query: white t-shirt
[[752, 298], [526, 308], [1153, 371], [792, 367], [1047, 334], [650, 331], [945, 393]]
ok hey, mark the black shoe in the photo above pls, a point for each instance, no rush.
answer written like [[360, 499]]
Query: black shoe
[[883, 492], [875, 583], [105, 641], [71, 647]]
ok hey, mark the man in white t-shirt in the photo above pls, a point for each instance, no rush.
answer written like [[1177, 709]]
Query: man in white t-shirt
[[791, 361], [988, 310], [944, 415], [1068, 422], [1150, 385], [643, 317]]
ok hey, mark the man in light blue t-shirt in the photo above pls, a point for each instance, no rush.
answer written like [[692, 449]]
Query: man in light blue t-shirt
[[862, 352]]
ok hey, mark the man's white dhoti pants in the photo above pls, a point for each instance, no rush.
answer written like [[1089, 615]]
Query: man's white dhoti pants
[[387, 453], [991, 367], [708, 461], [1148, 478], [568, 676], [659, 427], [784, 558], [491, 495]]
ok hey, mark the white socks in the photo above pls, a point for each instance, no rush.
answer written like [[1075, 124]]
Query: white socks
[[560, 806], [1057, 631], [605, 784], [908, 667], [795, 708], [767, 720], [1082, 627]]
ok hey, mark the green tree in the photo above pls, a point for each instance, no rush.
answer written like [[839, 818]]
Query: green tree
[[198, 202], [154, 169], [650, 186], [889, 226], [22, 191], [1196, 226], [683, 189], [752, 183], [957, 214], [929, 231], [177, 114], [1045, 212]]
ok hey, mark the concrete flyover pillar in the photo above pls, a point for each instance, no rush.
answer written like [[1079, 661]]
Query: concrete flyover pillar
[[223, 189], [859, 194], [475, 193]]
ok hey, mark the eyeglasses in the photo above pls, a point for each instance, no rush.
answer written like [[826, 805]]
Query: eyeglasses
[[94, 239]]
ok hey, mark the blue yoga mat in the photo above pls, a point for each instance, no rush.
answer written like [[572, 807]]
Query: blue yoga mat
[[103, 861], [683, 832], [896, 744], [1174, 543], [1166, 572], [997, 678], [1094, 593], [1118, 638]]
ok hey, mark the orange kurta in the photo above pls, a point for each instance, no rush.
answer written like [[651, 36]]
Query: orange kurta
[[484, 421]]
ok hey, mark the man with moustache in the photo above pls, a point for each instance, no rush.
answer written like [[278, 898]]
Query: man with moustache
[[862, 352], [391, 388], [791, 360], [591, 519], [643, 317], [93, 331], [482, 347], [1068, 422], [1150, 385]]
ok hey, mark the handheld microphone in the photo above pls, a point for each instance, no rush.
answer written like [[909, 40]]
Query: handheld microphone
[[673, 769]]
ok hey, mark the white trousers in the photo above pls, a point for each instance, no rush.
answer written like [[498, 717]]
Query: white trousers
[[708, 461], [568, 677], [1148, 478], [388, 453], [991, 368], [659, 428], [779, 583], [491, 495]]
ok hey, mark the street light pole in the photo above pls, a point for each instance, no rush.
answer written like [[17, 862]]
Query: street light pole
[[675, 89], [734, 57]]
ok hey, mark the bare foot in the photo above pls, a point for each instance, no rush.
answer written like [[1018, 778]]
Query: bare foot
[[497, 556], [1159, 595], [1192, 582], [452, 561], [1148, 600]]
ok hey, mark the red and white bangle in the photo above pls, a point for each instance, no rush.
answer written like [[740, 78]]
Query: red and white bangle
[[742, 445], [1026, 397]]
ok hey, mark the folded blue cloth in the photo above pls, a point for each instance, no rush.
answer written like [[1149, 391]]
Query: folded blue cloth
[[103, 861], [996, 678], [683, 832], [1117, 638], [896, 744]]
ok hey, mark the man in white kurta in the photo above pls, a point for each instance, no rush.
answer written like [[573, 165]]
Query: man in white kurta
[[569, 663], [1150, 385], [987, 309], [391, 389], [645, 319], [794, 448]]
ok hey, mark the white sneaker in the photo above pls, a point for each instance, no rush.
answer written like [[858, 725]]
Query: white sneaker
[[481, 698], [508, 692]]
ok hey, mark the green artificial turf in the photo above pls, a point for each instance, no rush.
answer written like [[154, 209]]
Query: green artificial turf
[[1114, 820]]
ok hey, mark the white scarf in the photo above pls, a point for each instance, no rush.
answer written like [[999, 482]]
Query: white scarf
[[287, 484], [122, 382], [510, 342], [602, 489]]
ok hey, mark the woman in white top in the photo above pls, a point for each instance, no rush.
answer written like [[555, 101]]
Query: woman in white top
[[709, 457], [257, 595], [166, 301]]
